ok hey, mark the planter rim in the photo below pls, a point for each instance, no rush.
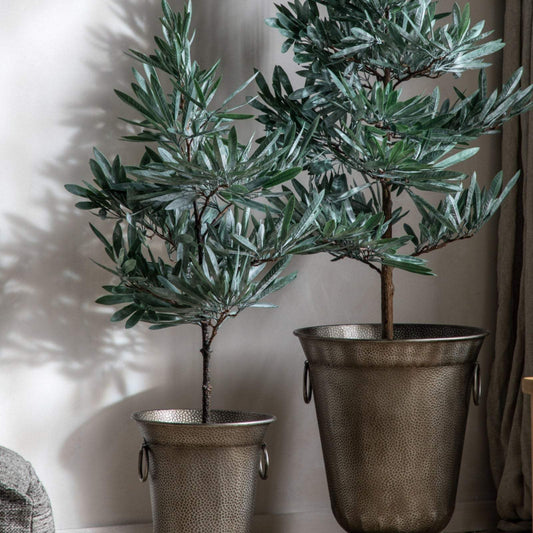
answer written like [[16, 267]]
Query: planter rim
[[154, 416], [466, 333]]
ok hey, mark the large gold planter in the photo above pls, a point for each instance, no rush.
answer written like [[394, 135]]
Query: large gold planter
[[392, 418], [202, 476]]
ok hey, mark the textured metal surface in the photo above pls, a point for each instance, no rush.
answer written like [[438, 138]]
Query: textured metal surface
[[202, 476], [392, 417]]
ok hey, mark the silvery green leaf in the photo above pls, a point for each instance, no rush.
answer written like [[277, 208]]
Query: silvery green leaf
[[123, 313], [183, 202], [459, 157], [129, 266], [113, 299], [243, 241]]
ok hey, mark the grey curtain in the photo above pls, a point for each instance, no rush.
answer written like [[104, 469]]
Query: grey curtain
[[507, 408]]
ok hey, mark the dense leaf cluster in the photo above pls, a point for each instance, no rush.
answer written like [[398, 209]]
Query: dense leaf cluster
[[355, 56], [182, 250], [194, 241]]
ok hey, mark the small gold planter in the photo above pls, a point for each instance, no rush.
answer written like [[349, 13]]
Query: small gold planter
[[202, 476], [392, 417]]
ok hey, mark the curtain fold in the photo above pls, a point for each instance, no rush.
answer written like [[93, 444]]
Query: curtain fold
[[509, 428]]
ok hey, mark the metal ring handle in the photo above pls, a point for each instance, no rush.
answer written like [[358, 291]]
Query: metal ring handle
[[476, 384], [308, 387], [264, 462], [143, 456]]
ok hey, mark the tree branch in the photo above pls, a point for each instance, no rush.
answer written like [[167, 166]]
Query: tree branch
[[432, 248]]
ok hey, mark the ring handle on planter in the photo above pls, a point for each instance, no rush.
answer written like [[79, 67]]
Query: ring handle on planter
[[143, 457], [264, 462], [308, 387], [476, 385]]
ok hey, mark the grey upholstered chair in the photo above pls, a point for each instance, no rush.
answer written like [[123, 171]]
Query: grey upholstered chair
[[24, 504]]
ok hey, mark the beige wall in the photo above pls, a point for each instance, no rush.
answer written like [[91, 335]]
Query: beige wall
[[68, 379]]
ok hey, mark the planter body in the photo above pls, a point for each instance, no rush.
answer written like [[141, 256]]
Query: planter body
[[202, 476], [392, 418]]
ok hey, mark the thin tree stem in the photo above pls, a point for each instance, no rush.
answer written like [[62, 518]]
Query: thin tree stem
[[206, 337], [206, 380], [387, 286]]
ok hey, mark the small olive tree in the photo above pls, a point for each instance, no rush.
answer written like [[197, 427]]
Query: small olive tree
[[191, 241], [369, 144]]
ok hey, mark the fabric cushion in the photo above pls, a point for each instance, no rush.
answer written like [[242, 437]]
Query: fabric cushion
[[24, 504]]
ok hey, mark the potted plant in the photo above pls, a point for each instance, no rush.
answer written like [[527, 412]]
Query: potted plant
[[187, 248], [391, 399]]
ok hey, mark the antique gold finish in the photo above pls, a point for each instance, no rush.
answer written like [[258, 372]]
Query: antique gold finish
[[202, 476], [392, 416]]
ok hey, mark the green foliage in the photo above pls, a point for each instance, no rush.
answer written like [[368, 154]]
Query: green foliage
[[181, 248], [355, 55], [194, 240]]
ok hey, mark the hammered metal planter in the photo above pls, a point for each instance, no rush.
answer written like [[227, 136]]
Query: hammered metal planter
[[202, 476], [392, 417]]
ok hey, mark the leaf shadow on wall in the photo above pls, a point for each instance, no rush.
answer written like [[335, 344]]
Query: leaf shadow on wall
[[47, 282], [46, 310]]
